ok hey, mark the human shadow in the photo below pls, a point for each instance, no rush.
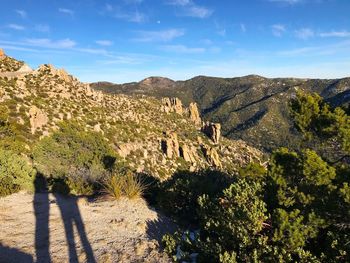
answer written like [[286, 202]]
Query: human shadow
[[13, 255], [41, 210], [71, 216]]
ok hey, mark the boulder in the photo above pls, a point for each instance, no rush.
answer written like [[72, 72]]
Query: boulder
[[212, 130], [170, 145], [194, 113], [2, 53], [37, 118], [172, 105], [212, 156], [187, 153]]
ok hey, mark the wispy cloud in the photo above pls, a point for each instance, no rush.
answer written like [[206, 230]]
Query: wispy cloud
[[278, 30], [222, 32], [104, 42], [133, 1], [243, 27], [66, 11], [182, 49], [42, 28], [49, 43], [189, 8], [290, 2], [21, 13], [136, 16], [16, 27], [335, 34], [159, 36], [321, 50], [304, 33]]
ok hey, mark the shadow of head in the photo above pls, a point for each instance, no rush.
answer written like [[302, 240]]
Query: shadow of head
[[40, 183], [156, 229], [12, 255]]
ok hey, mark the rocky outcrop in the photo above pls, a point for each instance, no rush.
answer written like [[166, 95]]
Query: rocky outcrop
[[170, 145], [172, 105], [37, 119], [194, 113], [2, 53], [189, 154], [211, 156], [61, 73], [25, 69], [212, 130]]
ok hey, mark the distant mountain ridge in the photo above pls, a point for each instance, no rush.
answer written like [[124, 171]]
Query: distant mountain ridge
[[252, 108]]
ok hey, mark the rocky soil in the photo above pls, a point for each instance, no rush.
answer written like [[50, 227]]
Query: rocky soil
[[43, 227]]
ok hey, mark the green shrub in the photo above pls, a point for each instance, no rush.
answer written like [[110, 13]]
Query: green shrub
[[81, 158], [15, 173], [178, 195]]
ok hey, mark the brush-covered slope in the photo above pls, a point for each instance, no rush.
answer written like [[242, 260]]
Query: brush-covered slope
[[144, 131], [252, 108]]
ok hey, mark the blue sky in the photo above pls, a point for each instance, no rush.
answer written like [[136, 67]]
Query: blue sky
[[128, 40]]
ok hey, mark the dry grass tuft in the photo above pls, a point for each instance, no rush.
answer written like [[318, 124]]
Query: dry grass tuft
[[127, 185]]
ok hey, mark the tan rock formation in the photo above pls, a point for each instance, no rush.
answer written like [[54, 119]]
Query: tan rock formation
[[170, 145], [211, 156], [212, 130], [61, 73], [194, 113], [37, 118], [188, 154], [2, 53], [172, 105]]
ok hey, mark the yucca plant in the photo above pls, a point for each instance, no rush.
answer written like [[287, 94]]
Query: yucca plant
[[128, 185], [133, 187], [113, 186]]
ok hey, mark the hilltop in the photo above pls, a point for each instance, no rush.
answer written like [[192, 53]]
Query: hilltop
[[251, 108]]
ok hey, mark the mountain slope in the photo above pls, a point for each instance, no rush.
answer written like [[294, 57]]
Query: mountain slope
[[148, 134], [251, 108]]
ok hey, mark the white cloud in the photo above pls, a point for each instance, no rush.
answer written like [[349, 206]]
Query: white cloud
[[278, 30], [109, 8], [133, 1], [222, 32], [189, 8], [183, 49], [21, 13], [48, 43], [290, 2], [162, 36], [16, 27], [104, 42], [179, 2], [304, 33], [335, 34], [94, 51], [135, 17], [66, 11], [198, 11], [322, 50], [243, 27], [42, 28]]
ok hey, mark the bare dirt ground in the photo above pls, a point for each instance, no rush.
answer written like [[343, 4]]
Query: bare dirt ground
[[47, 228]]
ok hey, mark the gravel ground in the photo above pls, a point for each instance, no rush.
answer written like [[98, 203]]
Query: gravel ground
[[52, 228]]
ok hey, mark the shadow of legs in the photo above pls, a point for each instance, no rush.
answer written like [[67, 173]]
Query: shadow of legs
[[71, 215], [41, 211]]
